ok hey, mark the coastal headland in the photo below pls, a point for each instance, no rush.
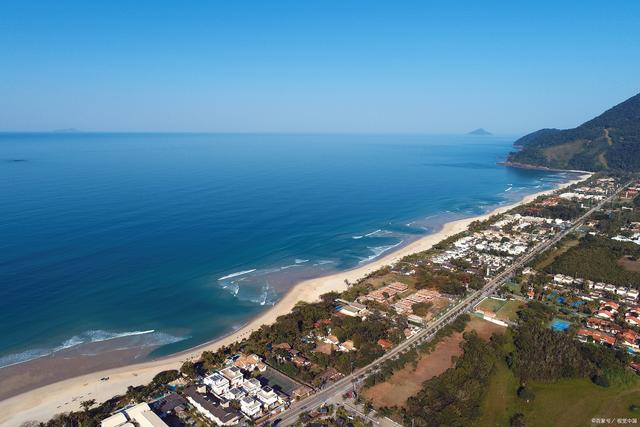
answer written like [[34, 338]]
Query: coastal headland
[[41, 403]]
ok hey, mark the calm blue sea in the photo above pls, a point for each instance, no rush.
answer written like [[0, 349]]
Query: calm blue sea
[[175, 239]]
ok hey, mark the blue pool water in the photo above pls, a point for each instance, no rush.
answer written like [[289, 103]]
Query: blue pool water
[[175, 239], [560, 325]]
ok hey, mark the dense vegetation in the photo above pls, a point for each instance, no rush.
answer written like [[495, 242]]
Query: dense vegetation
[[454, 398], [544, 355], [596, 258], [610, 141], [451, 282], [565, 210]]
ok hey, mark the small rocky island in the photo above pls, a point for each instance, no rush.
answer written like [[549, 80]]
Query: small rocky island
[[480, 131]]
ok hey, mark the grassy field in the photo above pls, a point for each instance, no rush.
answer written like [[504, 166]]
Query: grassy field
[[573, 402], [510, 310], [491, 304], [502, 309]]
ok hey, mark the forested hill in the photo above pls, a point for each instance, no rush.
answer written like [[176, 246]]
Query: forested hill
[[610, 141]]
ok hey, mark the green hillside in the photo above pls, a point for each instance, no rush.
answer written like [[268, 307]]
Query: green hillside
[[610, 141]]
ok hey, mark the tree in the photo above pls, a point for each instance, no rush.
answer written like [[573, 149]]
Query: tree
[[526, 394], [421, 308], [517, 420], [600, 380], [189, 369], [165, 377], [87, 404]]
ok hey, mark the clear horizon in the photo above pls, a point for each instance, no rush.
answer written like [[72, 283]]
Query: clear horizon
[[334, 67]]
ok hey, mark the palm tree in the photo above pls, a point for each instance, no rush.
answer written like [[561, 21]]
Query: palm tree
[[87, 404]]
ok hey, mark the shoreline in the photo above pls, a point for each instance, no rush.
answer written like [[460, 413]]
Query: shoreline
[[42, 403]]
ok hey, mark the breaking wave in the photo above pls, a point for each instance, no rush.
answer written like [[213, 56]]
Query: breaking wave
[[94, 336], [379, 250], [239, 273]]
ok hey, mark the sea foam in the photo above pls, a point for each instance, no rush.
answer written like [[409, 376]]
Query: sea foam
[[239, 273], [87, 337]]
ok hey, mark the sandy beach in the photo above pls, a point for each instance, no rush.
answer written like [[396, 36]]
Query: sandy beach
[[42, 403]]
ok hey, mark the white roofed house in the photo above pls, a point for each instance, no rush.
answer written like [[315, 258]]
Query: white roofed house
[[267, 397], [234, 375], [144, 416], [250, 407], [217, 383], [235, 393], [115, 420], [251, 386], [139, 415]]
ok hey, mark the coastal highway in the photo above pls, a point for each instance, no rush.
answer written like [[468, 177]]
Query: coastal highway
[[345, 384]]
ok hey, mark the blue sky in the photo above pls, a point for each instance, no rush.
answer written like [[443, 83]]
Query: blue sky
[[314, 66]]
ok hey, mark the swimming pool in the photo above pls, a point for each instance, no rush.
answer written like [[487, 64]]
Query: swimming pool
[[560, 325]]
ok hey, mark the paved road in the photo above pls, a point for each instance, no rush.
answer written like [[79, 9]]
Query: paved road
[[345, 384]]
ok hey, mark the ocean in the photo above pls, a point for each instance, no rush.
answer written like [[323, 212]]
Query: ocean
[[167, 241]]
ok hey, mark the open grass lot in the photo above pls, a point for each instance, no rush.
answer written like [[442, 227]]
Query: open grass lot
[[510, 310], [408, 381], [502, 309], [380, 281], [571, 402], [491, 304]]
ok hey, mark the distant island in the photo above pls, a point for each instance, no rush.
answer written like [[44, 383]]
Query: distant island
[[480, 131], [610, 141]]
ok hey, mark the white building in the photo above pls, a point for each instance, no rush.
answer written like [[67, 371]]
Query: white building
[[116, 420], [250, 406], [211, 409], [234, 375], [251, 386], [144, 416], [217, 383], [140, 415], [267, 396], [235, 393]]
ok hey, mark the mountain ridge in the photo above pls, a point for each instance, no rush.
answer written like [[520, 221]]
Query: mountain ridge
[[610, 141]]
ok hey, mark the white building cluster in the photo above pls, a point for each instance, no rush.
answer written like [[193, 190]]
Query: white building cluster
[[229, 384], [504, 240]]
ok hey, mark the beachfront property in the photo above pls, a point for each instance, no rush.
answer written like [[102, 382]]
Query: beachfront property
[[351, 309], [497, 246], [249, 362], [139, 415], [212, 408], [233, 374], [171, 404], [217, 383]]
